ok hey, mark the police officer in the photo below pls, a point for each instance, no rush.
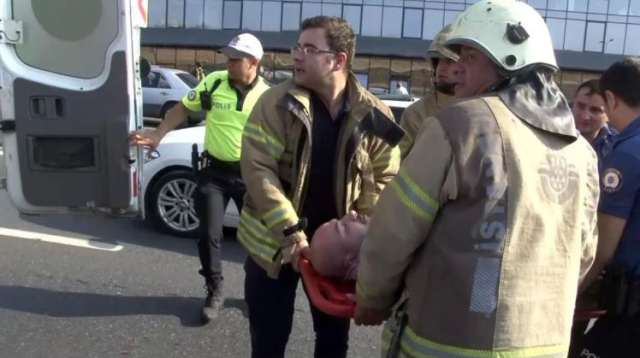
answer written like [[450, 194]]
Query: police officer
[[616, 334], [314, 148], [228, 97], [591, 119], [490, 222], [591, 122], [442, 60]]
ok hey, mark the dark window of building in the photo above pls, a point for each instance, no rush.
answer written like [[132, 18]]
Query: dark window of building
[[251, 15], [311, 10], [557, 29], [373, 15], [194, 14], [232, 11], [632, 45], [595, 36], [433, 23], [353, 13], [290, 16], [332, 10], [574, 35], [619, 7], [271, 12], [157, 13], [363, 78], [175, 13], [392, 22], [412, 26], [213, 14], [614, 39]]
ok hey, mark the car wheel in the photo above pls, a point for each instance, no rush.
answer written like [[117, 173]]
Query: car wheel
[[172, 203]]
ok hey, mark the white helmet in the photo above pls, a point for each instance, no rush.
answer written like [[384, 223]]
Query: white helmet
[[510, 32], [437, 50]]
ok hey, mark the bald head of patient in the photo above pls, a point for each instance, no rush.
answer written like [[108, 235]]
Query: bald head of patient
[[335, 246]]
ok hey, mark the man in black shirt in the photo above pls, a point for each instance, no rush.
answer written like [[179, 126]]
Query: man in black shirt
[[316, 147]]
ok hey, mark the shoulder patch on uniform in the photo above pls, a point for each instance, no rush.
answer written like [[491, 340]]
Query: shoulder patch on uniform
[[191, 95], [611, 180]]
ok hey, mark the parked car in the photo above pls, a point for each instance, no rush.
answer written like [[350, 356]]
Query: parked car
[[398, 103], [163, 88], [169, 183]]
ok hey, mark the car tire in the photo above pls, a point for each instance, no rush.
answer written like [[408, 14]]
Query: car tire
[[171, 203]]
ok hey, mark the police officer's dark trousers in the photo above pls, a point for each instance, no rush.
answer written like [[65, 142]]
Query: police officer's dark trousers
[[271, 308], [617, 333], [218, 181]]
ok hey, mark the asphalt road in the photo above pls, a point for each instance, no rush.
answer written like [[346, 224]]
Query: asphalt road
[[128, 291]]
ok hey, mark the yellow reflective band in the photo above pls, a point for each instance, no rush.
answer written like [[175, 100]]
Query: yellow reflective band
[[414, 198], [253, 248], [278, 214], [262, 238], [248, 133], [255, 237], [405, 143], [256, 132], [362, 206], [415, 346], [385, 159]]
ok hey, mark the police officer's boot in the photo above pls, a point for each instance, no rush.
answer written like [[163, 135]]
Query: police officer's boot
[[214, 300]]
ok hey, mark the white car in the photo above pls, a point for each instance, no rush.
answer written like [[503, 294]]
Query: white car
[[169, 182], [163, 88]]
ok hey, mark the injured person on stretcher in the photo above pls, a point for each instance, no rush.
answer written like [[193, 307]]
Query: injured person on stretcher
[[336, 246]]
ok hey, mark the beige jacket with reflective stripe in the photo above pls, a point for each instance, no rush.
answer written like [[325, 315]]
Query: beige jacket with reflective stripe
[[488, 228], [275, 160], [417, 113]]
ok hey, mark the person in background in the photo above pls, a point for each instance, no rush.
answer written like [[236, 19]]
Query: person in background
[[400, 89], [198, 72], [442, 61], [591, 119], [616, 334]]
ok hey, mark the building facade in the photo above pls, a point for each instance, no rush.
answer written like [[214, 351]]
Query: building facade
[[393, 35]]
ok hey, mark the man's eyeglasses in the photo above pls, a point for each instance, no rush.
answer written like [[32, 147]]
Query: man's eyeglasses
[[307, 50]]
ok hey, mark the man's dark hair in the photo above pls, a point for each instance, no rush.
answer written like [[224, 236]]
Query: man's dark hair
[[198, 63], [592, 86], [623, 80], [340, 36]]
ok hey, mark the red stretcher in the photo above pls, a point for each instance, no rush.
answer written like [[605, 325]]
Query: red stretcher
[[329, 295]]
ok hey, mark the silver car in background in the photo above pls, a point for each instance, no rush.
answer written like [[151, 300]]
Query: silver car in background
[[163, 88]]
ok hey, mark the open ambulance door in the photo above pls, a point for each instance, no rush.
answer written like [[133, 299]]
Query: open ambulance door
[[70, 95]]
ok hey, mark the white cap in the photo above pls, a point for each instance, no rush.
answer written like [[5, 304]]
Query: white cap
[[243, 45]]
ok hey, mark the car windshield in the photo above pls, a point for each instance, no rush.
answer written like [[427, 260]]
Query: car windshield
[[188, 79]]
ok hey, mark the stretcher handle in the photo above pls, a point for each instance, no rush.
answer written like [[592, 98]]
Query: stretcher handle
[[324, 295]]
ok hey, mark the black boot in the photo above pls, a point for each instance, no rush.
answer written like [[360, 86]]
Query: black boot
[[214, 300]]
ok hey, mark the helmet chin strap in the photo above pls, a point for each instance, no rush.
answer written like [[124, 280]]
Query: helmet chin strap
[[445, 88]]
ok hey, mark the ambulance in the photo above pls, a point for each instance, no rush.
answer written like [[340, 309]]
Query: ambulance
[[70, 94]]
